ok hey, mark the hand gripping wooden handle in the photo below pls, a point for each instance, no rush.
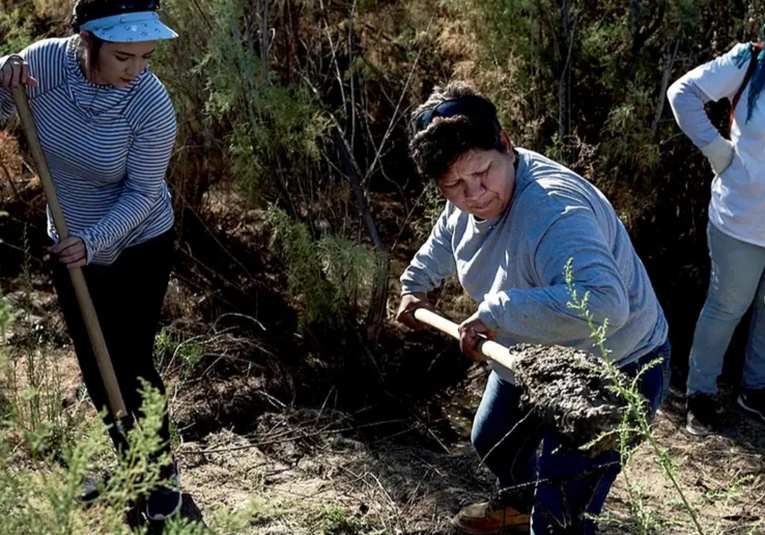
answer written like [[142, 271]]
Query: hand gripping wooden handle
[[116, 403], [496, 352]]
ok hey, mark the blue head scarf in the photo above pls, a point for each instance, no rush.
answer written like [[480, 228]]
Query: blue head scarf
[[757, 81]]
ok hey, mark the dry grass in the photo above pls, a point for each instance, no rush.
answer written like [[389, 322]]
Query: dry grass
[[408, 489], [395, 488], [54, 9], [10, 164]]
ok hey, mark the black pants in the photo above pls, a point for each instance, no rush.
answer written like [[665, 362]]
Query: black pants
[[127, 296]]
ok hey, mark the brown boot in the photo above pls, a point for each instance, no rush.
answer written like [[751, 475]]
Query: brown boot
[[491, 517]]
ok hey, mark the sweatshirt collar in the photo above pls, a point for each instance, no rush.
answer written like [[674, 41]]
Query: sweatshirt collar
[[98, 103]]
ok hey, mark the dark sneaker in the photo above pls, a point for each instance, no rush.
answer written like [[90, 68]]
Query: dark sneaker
[[491, 517], [93, 486], [165, 501], [701, 417], [91, 490], [753, 401]]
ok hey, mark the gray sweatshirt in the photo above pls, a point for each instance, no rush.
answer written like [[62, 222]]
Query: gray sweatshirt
[[513, 266]]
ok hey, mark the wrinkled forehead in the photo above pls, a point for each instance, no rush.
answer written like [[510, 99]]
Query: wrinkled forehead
[[470, 163]]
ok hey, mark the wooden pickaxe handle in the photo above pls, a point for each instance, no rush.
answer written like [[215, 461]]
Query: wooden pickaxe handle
[[496, 352], [116, 403]]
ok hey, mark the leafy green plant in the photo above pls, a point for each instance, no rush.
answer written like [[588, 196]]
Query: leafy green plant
[[174, 350], [41, 494], [7, 315], [32, 378], [333, 520], [16, 28], [41, 475], [275, 129], [329, 274]]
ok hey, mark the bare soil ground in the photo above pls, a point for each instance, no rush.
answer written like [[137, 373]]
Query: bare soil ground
[[301, 463], [311, 470], [406, 489]]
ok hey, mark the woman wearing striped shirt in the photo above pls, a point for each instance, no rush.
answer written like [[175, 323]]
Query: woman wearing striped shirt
[[107, 128]]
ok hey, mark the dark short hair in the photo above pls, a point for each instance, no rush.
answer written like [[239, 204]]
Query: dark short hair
[[435, 145]]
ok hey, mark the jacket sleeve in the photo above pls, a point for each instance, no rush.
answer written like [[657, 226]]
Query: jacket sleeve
[[45, 64], [434, 261], [712, 81], [542, 314], [7, 108]]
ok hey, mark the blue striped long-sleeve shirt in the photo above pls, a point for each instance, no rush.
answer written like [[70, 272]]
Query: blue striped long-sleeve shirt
[[107, 149]]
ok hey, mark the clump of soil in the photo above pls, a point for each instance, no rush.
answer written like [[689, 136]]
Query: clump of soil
[[569, 390]]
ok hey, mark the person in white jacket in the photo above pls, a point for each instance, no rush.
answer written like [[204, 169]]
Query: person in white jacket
[[736, 229]]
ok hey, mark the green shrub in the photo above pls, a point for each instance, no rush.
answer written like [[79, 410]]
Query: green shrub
[[329, 275]]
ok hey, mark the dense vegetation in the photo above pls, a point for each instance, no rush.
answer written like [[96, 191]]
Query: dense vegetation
[[304, 106], [301, 109]]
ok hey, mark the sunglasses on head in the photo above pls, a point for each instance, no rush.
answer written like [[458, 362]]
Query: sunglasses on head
[[467, 105]]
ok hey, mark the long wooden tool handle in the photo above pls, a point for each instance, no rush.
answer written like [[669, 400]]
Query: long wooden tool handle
[[116, 403], [496, 352]]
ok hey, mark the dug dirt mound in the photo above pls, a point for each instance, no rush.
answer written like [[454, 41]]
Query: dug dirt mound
[[570, 391]]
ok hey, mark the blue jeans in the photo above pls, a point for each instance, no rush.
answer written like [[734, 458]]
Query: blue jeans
[[737, 279], [507, 439]]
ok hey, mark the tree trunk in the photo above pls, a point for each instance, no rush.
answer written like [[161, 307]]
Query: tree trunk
[[377, 306], [265, 43], [639, 32], [564, 90], [669, 62]]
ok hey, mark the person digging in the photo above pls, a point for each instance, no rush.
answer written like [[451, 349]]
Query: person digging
[[105, 132], [512, 221]]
